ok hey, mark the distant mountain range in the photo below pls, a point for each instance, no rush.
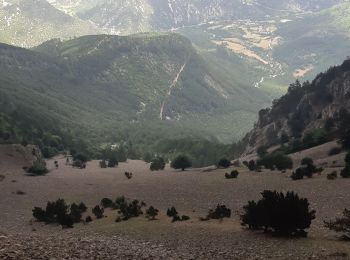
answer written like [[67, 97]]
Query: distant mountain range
[[125, 17]]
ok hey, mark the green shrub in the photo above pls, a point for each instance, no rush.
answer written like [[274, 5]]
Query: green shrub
[[285, 214], [252, 165], [172, 213], [224, 163], [79, 164], [233, 175], [341, 225], [98, 212], [276, 160], [113, 162], [298, 174], [157, 164], [107, 203], [345, 173], [151, 213], [57, 212], [220, 212], [103, 164], [332, 176], [335, 151], [128, 210], [38, 168], [181, 162]]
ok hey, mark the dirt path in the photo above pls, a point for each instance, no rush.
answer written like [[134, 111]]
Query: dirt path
[[173, 84]]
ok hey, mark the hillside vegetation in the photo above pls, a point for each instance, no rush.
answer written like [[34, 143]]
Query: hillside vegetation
[[142, 92]]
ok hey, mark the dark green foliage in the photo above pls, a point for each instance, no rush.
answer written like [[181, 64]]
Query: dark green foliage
[[79, 164], [57, 212], [76, 212], [147, 157], [80, 157], [276, 160], [181, 162], [246, 164], [262, 151], [38, 168], [172, 213], [220, 212], [233, 175], [311, 139], [224, 163], [345, 173], [113, 162], [98, 212], [128, 175], [307, 161], [252, 165], [157, 164], [298, 174], [335, 151], [103, 164], [128, 210], [332, 176], [88, 219], [284, 138], [341, 225], [107, 203], [284, 214], [151, 213]]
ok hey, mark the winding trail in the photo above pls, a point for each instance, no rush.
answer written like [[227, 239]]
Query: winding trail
[[171, 87]]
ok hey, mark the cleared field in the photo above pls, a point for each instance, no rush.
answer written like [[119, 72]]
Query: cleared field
[[192, 192]]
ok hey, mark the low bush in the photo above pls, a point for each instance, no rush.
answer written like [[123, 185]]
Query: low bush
[[172, 213], [332, 176], [79, 164], [220, 212], [284, 214], [59, 212], [335, 151], [181, 162], [276, 160], [157, 164], [298, 174], [252, 165], [98, 212], [128, 210], [103, 164], [107, 203], [38, 168], [345, 173], [128, 175], [113, 162], [233, 175], [151, 213], [88, 219], [224, 163], [341, 225]]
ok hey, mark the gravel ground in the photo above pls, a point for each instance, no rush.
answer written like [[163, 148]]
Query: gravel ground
[[192, 192]]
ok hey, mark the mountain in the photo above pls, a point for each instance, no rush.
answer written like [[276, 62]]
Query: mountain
[[125, 17], [30, 22], [144, 89], [309, 114]]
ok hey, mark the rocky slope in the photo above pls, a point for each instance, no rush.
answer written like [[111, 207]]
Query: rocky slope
[[321, 104]]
